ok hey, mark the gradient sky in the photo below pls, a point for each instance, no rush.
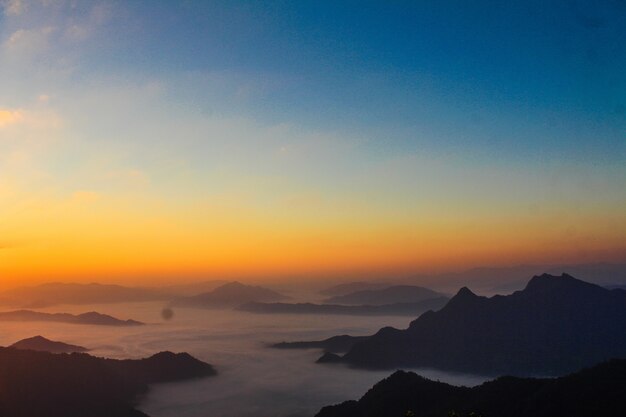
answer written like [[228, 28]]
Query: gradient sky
[[144, 141]]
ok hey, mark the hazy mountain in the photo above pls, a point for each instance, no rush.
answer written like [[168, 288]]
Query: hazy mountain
[[46, 295], [42, 344], [555, 325], [350, 287], [507, 279], [190, 289], [389, 295], [230, 295], [599, 391], [79, 385], [398, 309], [335, 344], [85, 318]]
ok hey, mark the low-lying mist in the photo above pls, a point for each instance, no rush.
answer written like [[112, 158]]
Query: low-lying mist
[[253, 379]]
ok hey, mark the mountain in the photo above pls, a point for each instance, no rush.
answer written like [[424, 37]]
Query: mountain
[[398, 309], [229, 295], [85, 318], [51, 294], [389, 295], [335, 344], [79, 385], [42, 344], [505, 280], [350, 287], [557, 324], [194, 288], [599, 391]]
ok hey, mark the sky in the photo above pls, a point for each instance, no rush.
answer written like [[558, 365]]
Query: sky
[[145, 141]]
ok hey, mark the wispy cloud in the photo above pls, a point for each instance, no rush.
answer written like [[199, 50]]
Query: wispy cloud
[[13, 7]]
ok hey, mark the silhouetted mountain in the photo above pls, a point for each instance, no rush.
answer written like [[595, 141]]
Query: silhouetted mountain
[[79, 385], [194, 288], [229, 295], [554, 326], [42, 344], [46, 295], [335, 344], [350, 287], [399, 309], [85, 318], [505, 280], [389, 295], [599, 391]]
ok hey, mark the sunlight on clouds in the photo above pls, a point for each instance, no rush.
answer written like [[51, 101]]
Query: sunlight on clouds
[[8, 117]]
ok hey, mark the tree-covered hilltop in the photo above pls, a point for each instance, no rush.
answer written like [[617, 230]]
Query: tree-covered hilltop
[[597, 391], [36, 383]]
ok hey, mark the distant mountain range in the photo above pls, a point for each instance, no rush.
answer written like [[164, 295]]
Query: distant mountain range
[[492, 280], [51, 294], [350, 287], [557, 324], [40, 343], [507, 279], [599, 391], [56, 293], [335, 344], [79, 385], [85, 318], [230, 295], [389, 295], [397, 309]]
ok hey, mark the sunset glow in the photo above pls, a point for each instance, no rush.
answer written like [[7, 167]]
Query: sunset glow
[[141, 146]]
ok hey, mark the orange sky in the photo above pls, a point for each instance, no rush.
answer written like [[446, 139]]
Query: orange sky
[[287, 152]]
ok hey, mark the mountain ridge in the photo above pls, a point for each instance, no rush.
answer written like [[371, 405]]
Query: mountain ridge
[[554, 326]]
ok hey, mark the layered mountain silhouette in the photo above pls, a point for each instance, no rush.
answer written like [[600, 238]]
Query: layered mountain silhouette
[[79, 385], [397, 309], [230, 295], [51, 294], [40, 343], [599, 391], [85, 318], [390, 295], [350, 287], [335, 344], [556, 325]]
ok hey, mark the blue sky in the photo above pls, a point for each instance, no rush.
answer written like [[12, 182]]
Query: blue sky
[[525, 77], [383, 126]]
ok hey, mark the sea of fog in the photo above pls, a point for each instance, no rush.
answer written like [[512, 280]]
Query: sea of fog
[[253, 380]]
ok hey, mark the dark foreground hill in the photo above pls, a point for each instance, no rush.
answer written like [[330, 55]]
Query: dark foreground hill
[[42, 344], [599, 391], [556, 325], [85, 318], [397, 309], [79, 385], [230, 295]]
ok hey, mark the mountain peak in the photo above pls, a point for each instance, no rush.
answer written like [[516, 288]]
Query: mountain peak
[[549, 283], [465, 292], [40, 343], [462, 298]]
